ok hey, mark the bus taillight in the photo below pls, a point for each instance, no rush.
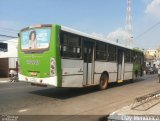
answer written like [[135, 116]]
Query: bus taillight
[[52, 67], [26, 78]]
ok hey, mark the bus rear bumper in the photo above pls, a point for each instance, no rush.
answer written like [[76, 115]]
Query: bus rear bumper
[[42, 81]]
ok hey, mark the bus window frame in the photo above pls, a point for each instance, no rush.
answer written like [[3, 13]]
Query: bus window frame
[[115, 54], [130, 56], [62, 45], [105, 51]]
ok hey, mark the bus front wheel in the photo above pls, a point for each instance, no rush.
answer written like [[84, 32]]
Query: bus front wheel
[[104, 81]]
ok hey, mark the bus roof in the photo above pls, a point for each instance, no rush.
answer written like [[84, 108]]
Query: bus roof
[[138, 50], [70, 30]]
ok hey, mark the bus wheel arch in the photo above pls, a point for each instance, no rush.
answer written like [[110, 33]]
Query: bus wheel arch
[[103, 81]]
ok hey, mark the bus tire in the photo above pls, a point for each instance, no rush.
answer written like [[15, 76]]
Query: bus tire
[[104, 81]]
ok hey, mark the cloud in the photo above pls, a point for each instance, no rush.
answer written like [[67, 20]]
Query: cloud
[[119, 35], [98, 35], [153, 8]]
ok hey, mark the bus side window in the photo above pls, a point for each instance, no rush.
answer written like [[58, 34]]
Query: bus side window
[[111, 53], [64, 48], [78, 50], [132, 57], [142, 58], [128, 56], [101, 53], [70, 46]]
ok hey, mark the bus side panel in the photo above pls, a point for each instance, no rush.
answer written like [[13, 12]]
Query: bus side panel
[[110, 67], [128, 72], [72, 73], [56, 49]]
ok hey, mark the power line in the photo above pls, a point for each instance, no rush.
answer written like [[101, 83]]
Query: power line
[[2, 40], [2, 35], [9, 29], [149, 29], [8, 32]]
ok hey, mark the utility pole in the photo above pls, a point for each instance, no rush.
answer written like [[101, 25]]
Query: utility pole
[[128, 27]]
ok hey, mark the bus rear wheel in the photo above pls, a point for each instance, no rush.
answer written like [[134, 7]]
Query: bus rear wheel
[[104, 81]]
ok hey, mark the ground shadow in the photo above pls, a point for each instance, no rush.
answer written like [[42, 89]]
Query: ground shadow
[[113, 85], [65, 93]]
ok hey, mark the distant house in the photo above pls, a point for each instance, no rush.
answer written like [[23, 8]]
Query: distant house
[[9, 60], [152, 57]]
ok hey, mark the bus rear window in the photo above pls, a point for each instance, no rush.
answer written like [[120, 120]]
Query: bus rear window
[[35, 39]]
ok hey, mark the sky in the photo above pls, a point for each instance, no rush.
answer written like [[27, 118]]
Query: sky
[[104, 18]]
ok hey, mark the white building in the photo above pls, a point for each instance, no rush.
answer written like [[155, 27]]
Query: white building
[[8, 60], [152, 57], [12, 49]]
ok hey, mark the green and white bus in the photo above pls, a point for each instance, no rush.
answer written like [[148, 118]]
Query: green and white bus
[[63, 57]]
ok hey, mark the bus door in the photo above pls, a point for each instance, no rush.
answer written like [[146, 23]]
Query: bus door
[[88, 51], [120, 65]]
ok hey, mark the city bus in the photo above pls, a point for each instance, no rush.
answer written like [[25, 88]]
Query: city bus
[[51, 54]]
